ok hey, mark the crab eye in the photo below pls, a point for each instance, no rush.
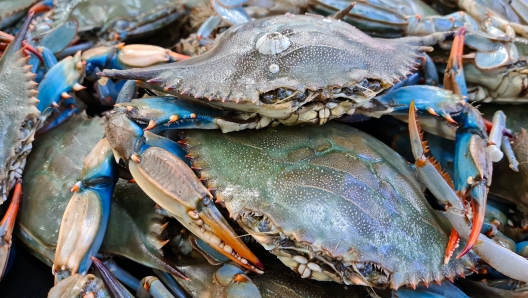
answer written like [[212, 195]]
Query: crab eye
[[365, 87], [282, 95]]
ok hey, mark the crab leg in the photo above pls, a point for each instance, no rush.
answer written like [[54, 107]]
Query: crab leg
[[84, 222], [472, 162], [112, 284], [442, 188], [61, 79], [465, 124], [151, 286], [158, 168], [6, 227], [454, 76]]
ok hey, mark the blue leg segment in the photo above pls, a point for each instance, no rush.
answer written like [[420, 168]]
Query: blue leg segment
[[127, 93], [61, 79], [169, 112], [472, 165], [86, 216], [58, 120]]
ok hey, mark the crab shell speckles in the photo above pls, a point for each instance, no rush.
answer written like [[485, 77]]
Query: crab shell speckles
[[310, 54], [331, 202], [18, 114]]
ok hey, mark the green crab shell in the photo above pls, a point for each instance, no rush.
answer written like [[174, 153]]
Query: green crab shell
[[134, 227], [291, 52], [18, 116], [12, 10], [329, 198], [96, 14]]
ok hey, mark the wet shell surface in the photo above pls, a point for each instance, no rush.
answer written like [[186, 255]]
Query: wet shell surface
[[295, 52], [330, 201]]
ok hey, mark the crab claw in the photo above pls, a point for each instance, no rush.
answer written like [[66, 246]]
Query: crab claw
[[497, 256], [63, 77], [476, 225], [168, 180], [6, 227], [441, 186], [84, 222], [454, 75]]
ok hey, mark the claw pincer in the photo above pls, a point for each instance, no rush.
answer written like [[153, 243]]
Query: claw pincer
[[85, 219], [472, 180], [158, 167]]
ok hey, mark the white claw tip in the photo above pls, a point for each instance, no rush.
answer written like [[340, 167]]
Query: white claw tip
[[494, 152]]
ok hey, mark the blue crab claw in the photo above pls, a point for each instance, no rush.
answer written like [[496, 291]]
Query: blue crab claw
[[454, 76], [441, 186], [112, 284], [155, 163], [233, 15], [123, 56], [236, 282], [171, 113], [61, 79], [6, 227], [84, 222]]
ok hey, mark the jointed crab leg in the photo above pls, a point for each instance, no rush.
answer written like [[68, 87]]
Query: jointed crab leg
[[113, 285], [61, 79], [6, 227], [167, 179], [454, 76], [442, 188], [157, 164], [86, 216]]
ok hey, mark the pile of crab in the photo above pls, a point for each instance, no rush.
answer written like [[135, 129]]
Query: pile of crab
[[208, 146]]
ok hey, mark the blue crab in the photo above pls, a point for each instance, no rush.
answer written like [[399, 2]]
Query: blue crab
[[264, 207], [130, 208], [295, 69], [494, 66], [111, 20], [135, 228], [12, 11], [19, 120], [491, 36], [67, 75]]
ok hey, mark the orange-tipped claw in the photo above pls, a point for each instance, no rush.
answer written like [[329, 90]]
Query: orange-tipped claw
[[6, 227], [178, 57], [39, 7], [220, 228], [455, 56], [476, 227], [7, 38], [454, 75], [452, 244]]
